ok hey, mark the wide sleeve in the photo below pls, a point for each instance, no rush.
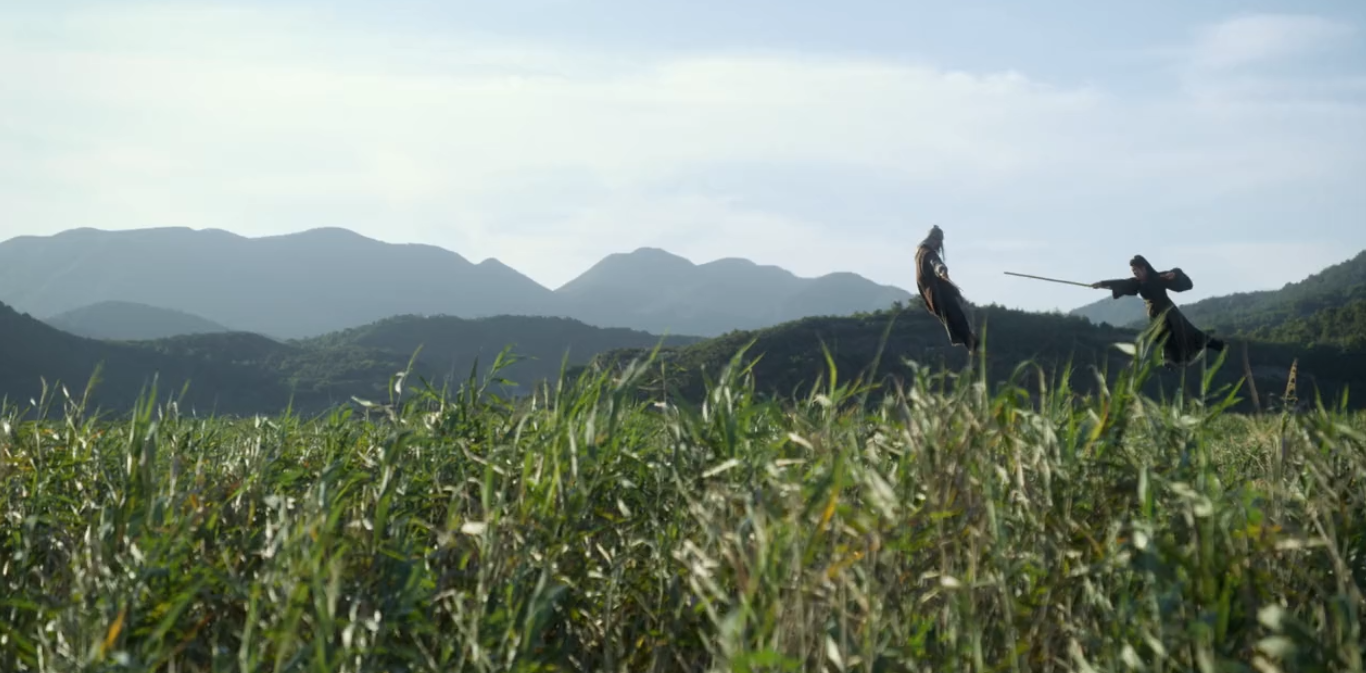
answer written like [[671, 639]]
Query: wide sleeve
[[1176, 280], [1120, 287]]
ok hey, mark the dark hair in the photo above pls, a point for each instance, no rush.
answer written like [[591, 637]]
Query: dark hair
[[1140, 261], [939, 247]]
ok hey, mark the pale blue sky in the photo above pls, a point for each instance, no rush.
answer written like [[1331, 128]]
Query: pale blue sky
[[1056, 137]]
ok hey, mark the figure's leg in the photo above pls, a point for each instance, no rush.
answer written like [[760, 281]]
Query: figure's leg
[[1176, 352], [1184, 342]]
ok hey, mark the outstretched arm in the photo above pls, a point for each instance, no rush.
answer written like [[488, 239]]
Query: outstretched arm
[[1118, 287], [1176, 280]]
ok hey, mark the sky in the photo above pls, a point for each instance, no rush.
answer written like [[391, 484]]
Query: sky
[[1051, 137]]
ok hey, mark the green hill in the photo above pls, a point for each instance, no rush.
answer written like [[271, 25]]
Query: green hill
[[319, 377], [788, 359], [32, 352], [1247, 313], [244, 373], [450, 346], [1319, 310], [1343, 326], [131, 321]]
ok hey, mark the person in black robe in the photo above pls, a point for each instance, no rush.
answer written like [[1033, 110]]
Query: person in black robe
[[1183, 341], [941, 295]]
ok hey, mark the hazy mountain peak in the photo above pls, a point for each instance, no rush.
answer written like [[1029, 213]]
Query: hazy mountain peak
[[290, 286], [647, 255], [652, 289], [327, 278], [339, 233], [647, 250], [732, 262], [131, 321]]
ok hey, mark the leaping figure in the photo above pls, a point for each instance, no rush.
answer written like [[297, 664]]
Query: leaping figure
[[1184, 341], [941, 295]]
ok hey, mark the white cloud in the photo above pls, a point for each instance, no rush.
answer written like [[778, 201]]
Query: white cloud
[[1262, 57], [1259, 38], [259, 121]]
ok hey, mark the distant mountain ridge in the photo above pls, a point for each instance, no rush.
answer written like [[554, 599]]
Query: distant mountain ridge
[[1121, 312], [129, 321], [287, 286], [327, 279], [658, 291], [245, 373]]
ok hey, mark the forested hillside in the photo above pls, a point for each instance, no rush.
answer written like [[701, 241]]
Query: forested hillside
[[32, 352], [448, 346], [245, 373], [1323, 309], [241, 372], [788, 359], [1342, 326], [1250, 313]]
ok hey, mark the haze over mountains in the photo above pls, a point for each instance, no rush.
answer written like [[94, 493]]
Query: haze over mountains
[[323, 280], [129, 321], [1320, 322]]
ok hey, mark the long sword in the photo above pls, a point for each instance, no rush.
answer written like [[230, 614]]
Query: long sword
[[1051, 280]]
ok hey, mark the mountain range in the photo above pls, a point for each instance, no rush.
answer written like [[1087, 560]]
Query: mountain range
[[1319, 322], [322, 280]]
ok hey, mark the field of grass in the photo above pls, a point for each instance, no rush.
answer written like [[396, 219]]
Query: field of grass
[[949, 527]]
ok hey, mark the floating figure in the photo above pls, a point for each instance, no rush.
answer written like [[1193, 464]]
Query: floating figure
[[942, 297], [1184, 341]]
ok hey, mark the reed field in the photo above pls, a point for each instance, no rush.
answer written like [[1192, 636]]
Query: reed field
[[943, 525]]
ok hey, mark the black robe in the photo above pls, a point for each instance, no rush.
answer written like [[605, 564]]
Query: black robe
[[942, 297], [1183, 341]]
